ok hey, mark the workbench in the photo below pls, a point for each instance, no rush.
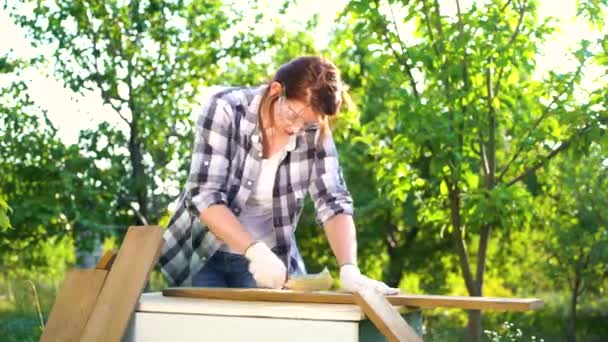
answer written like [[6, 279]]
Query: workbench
[[106, 304], [160, 318]]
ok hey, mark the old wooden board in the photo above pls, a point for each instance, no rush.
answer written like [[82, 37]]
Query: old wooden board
[[73, 305], [106, 261], [385, 317], [420, 301], [124, 284]]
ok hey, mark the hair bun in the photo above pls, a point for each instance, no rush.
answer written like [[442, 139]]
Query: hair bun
[[329, 100]]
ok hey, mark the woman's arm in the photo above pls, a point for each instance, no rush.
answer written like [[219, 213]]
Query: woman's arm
[[340, 231], [341, 234], [223, 224], [327, 187], [334, 207]]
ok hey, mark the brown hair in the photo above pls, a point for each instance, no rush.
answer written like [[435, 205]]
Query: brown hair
[[311, 79]]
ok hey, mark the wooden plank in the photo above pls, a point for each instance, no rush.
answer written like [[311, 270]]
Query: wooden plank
[[73, 305], [124, 284], [106, 261], [421, 301], [468, 303], [385, 317]]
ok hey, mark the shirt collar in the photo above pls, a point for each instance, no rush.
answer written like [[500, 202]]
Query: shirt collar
[[253, 109], [254, 105], [291, 144]]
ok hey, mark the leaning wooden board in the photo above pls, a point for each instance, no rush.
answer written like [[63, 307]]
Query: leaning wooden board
[[328, 297], [73, 305], [385, 317], [123, 285]]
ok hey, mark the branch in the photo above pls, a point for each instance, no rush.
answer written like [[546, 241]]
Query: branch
[[399, 58], [97, 80], [582, 287], [483, 155], [141, 217], [587, 258], [502, 9], [404, 51], [427, 20], [461, 248], [438, 14], [465, 77], [465, 73], [505, 168], [491, 159], [522, 11], [561, 263], [390, 6], [529, 133], [564, 145], [482, 254], [439, 46]]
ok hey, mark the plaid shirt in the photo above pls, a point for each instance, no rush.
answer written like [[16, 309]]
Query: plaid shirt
[[225, 166]]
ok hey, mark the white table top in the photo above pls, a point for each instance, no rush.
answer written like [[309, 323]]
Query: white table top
[[156, 302]]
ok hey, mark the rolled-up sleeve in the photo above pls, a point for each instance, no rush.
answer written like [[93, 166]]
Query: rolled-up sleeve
[[206, 185], [327, 187]]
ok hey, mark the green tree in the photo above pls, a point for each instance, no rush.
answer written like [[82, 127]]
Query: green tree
[[575, 213], [455, 117], [147, 60], [54, 190], [31, 179]]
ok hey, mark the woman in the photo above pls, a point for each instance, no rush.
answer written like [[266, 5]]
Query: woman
[[257, 153]]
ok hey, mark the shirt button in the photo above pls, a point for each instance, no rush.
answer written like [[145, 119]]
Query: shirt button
[[249, 183], [260, 154], [206, 162]]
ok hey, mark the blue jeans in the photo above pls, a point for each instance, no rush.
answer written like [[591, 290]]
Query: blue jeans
[[225, 269]]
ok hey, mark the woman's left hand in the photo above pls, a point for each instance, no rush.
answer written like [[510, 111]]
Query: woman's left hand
[[353, 281]]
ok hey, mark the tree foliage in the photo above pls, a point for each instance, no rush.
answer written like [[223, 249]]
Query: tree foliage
[[456, 119]]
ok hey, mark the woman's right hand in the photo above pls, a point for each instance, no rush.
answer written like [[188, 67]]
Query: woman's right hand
[[267, 269]]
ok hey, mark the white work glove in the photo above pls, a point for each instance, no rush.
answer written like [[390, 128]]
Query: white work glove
[[353, 281], [267, 269]]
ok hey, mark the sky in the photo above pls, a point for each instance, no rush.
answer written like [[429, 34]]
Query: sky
[[72, 112]]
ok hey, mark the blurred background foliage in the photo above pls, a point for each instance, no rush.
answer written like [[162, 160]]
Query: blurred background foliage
[[474, 169]]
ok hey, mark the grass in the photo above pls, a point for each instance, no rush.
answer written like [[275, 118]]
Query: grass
[[21, 305], [20, 311]]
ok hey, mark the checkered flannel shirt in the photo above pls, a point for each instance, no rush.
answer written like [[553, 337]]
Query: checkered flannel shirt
[[225, 165]]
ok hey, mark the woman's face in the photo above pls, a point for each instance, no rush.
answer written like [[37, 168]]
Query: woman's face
[[292, 116]]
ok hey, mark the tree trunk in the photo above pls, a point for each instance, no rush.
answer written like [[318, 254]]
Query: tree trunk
[[394, 272], [571, 335], [138, 173], [473, 285], [474, 325], [136, 153], [87, 249]]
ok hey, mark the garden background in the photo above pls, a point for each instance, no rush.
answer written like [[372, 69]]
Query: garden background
[[477, 153]]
